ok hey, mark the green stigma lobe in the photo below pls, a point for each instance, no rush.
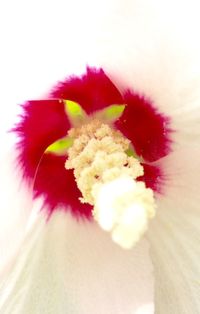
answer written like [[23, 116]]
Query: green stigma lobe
[[60, 147], [74, 111], [111, 113], [114, 111], [77, 115]]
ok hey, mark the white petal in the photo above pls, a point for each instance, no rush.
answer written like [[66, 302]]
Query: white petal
[[148, 46], [15, 206], [71, 267], [175, 237]]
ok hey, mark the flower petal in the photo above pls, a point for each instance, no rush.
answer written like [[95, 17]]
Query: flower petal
[[67, 267], [147, 129], [58, 186], [153, 177], [15, 205], [42, 123], [175, 235], [93, 91]]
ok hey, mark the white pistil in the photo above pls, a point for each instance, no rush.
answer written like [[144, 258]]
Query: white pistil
[[106, 177]]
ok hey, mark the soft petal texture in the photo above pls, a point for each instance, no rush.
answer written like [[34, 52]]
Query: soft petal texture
[[67, 267], [93, 90], [15, 206], [175, 237], [147, 129]]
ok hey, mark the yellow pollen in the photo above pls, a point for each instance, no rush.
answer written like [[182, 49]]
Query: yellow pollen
[[102, 170]]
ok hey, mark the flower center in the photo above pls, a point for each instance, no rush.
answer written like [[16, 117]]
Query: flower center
[[106, 177]]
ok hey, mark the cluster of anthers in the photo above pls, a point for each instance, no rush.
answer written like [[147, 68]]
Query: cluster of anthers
[[107, 176]]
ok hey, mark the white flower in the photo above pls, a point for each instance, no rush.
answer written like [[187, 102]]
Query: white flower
[[153, 46]]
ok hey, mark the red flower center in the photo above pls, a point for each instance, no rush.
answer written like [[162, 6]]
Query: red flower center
[[45, 121]]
